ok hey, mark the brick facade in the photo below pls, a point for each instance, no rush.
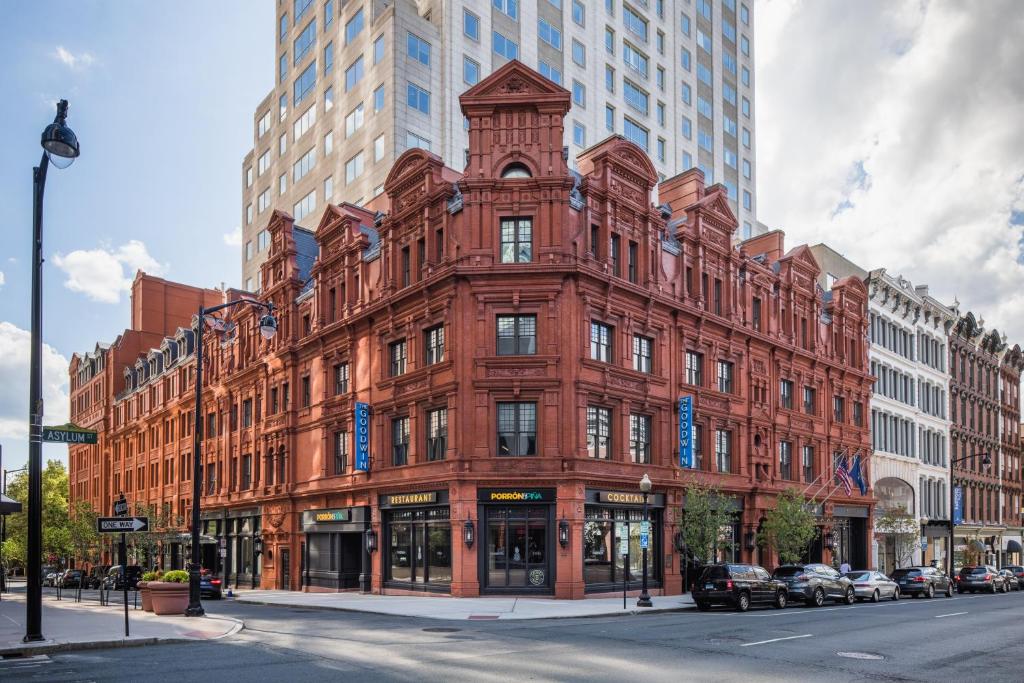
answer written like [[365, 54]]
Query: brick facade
[[520, 333]]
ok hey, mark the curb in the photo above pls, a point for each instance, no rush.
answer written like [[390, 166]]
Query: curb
[[31, 649], [326, 608]]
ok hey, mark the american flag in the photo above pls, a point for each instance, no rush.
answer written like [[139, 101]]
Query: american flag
[[844, 476]]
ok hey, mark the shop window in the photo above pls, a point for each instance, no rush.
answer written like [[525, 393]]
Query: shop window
[[517, 429], [603, 529], [419, 547]]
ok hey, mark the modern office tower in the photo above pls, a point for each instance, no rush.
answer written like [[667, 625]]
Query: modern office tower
[[357, 82]]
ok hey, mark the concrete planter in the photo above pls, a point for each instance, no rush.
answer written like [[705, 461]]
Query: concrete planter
[[147, 602], [168, 598]]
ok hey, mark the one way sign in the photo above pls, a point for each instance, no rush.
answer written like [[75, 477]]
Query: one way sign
[[110, 525]]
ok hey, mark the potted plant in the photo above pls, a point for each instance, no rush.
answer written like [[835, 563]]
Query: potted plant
[[169, 595], [143, 587]]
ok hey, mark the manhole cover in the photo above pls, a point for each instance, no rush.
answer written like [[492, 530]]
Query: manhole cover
[[442, 629], [859, 655]]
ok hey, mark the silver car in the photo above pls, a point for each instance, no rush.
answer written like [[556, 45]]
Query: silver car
[[873, 586]]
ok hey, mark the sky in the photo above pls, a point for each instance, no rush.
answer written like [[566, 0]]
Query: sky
[[890, 130]]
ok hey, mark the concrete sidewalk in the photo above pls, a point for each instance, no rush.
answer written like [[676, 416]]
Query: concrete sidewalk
[[68, 625], [443, 607]]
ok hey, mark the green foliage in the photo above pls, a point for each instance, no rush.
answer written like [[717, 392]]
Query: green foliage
[[151, 576], [58, 537], [902, 527], [164, 527], [707, 513], [175, 576], [789, 527]]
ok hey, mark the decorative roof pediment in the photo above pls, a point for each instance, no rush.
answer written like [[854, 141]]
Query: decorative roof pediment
[[716, 201], [514, 78], [802, 257]]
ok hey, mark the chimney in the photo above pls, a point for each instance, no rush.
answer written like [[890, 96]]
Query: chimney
[[681, 191], [771, 244]]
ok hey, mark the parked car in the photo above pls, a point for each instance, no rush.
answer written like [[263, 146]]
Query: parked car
[[815, 583], [96, 576], [209, 585], [116, 577], [1018, 571], [72, 578], [739, 586], [873, 586], [44, 573], [980, 578], [926, 581], [1010, 580], [50, 579]]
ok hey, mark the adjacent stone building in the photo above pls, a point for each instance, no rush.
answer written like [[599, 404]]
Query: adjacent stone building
[[467, 387]]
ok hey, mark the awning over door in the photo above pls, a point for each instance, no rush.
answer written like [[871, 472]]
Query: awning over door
[[1013, 546]]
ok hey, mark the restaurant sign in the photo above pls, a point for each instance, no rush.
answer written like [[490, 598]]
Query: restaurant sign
[[515, 495], [425, 498]]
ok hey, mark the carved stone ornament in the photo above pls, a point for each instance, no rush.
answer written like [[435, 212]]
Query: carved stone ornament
[[514, 85], [274, 514]]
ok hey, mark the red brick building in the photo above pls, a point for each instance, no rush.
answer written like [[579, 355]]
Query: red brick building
[[520, 334]]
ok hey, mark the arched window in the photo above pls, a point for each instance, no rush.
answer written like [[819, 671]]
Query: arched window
[[516, 170]]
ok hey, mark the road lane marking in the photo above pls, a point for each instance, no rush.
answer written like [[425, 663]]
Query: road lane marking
[[954, 614], [775, 640]]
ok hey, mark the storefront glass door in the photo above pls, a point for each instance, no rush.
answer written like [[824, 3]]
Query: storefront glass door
[[517, 548]]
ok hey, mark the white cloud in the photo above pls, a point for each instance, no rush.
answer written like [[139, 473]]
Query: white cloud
[[233, 238], [892, 132], [102, 274], [82, 60], [3, 279], [15, 353]]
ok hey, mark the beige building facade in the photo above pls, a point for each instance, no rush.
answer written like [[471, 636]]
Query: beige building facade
[[358, 82]]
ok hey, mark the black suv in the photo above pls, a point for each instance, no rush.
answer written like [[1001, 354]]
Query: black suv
[[739, 586], [116, 577], [814, 583], [926, 581]]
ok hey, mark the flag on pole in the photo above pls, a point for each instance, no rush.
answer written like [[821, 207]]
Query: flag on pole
[[843, 475], [857, 476]]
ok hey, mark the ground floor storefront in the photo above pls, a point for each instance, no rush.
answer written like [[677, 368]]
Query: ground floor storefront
[[564, 539], [992, 545]]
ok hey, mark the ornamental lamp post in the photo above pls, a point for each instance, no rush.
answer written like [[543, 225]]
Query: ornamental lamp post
[[645, 599], [268, 328], [60, 147], [986, 461]]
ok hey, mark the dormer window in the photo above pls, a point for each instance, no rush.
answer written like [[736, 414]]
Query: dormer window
[[516, 170]]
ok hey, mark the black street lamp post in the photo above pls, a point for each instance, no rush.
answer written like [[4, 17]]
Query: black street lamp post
[[60, 146], [645, 599], [986, 460], [268, 327]]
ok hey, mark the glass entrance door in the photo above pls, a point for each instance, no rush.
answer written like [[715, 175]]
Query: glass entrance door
[[517, 548]]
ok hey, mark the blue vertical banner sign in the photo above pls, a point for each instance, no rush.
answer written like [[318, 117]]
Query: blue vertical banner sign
[[362, 436], [958, 505], [686, 431]]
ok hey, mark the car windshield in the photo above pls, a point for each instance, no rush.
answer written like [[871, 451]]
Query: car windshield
[[859, 576], [789, 571]]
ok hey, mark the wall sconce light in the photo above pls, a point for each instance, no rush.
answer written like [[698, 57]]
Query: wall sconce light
[[680, 542], [563, 533], [371, 540], [468, 532], [830, 540], [750, 540], [257, 545]]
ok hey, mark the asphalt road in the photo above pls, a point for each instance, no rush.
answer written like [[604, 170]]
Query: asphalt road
[[965, 638]]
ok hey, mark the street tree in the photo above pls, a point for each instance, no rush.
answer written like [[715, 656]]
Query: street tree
[[57, 545], [707, 513], [164, 527], [901, 527], [82, 532], [789, 527]]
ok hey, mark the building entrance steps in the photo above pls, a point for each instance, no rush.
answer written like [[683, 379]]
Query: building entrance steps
[[438, 607]]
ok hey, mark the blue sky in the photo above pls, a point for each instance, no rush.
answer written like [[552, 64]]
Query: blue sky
[[161, 98]]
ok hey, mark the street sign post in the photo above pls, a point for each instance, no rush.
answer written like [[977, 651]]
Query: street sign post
[[121, 506], [69, 434], [122, 525]]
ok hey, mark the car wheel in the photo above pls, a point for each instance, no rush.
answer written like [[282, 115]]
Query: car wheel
[[993, 589], [875, 597], [703, 606], [895, 594], [851, 597], [781, 600], [929, 592], [972, 591], [949, 590], [818, 599], [742, 602]]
